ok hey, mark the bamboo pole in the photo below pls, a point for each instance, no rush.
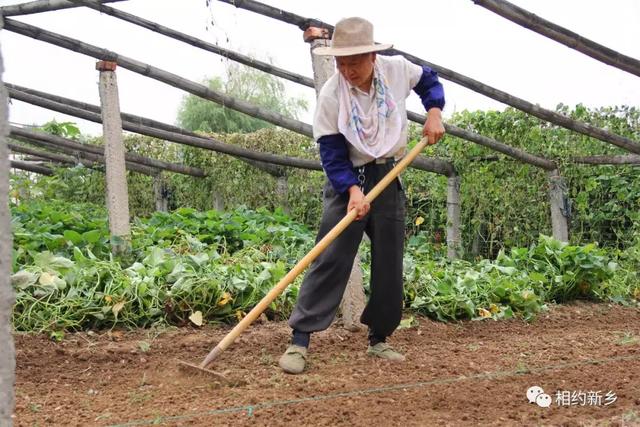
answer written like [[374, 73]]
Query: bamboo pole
[[159, 74], [562, 35], [297, 78], [452, 130], [131, 158], [608, 160], [439, 166], [39, 6], [196, 42], [30, 167], [498, 95], [194, 141], [273, 170], [34, 159], [85, 157], [54, 157], [500, 147], [528, 107]]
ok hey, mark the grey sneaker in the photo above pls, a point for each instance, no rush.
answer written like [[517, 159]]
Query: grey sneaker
[[294, 359], [384, 351]]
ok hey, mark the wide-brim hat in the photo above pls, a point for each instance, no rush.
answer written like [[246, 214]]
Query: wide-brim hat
[[351, 36]]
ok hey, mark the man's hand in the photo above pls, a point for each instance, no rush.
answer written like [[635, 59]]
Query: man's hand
[[433, 128], [357, 202]]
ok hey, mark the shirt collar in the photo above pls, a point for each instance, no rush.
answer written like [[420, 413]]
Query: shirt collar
[[355, 89]]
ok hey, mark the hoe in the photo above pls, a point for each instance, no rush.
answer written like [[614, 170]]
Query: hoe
[[203, 367]]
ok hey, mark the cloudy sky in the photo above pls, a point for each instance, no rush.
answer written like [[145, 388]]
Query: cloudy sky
[[455, 34]]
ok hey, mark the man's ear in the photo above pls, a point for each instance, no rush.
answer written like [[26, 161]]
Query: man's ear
[[373, 57]]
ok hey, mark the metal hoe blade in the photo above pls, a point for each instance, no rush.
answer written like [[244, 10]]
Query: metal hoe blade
[[195, 369]]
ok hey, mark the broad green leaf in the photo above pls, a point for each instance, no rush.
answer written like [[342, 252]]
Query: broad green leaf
[[506, 270], [200, 258], [77, 255], [263, 276], [47, 261], [73, 236], [156, 257], [92, 236], [537, 277]]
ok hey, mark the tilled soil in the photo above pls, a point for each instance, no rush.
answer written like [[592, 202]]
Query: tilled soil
[[468, 373]]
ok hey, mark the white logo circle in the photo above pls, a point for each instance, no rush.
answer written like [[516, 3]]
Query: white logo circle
[[543, 400], [533, 392]]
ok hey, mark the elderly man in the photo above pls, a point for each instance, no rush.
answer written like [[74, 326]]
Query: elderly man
[[360, 125]]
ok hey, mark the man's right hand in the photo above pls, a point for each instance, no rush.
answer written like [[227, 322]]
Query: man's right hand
[[357, 202]]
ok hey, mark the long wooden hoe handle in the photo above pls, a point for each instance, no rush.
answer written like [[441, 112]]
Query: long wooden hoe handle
[[310, 256]]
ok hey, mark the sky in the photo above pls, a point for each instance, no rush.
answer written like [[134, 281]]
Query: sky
[[455, 34]]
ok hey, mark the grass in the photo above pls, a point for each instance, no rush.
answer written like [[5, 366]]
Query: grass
[[627, 338]]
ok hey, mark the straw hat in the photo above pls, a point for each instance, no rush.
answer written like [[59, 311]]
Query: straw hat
[[352, 36]]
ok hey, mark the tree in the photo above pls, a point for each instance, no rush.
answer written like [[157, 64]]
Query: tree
[[248, 84]]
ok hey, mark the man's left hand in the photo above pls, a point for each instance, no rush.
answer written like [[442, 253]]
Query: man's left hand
[[433, 128]]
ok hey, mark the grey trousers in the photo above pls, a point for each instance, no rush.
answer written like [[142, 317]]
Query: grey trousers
[[324, 284]]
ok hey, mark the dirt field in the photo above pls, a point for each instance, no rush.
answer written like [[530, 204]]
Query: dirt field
[[469, 373]]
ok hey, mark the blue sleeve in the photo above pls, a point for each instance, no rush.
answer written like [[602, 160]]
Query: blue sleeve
[[336, 163], [430, 89]]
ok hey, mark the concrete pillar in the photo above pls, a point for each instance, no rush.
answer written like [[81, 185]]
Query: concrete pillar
[[323, 65], [353, 301], [160, 192], [117, 193], [454, 242], [218, 201], [7, 350], [559, 203], [282, 192]]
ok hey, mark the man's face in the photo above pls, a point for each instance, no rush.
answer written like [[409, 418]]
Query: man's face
[[357, 69]]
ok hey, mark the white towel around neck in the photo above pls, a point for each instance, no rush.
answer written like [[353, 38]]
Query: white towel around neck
[[376, 131]]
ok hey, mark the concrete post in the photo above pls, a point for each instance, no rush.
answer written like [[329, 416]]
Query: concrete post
[[117, 193], [160, 193], [218, 201], [559, 203], [323, 65], [282, 192], [7, 350], [353, 301], [454, 242]]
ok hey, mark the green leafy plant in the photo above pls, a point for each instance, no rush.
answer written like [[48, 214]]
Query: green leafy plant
[[220, 265]]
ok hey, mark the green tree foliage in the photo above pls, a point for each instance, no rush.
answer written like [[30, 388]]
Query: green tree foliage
[[244, 184], [241, 82], [505, 202]]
